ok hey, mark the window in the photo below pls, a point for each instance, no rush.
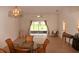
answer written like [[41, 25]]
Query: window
[[38, 27]]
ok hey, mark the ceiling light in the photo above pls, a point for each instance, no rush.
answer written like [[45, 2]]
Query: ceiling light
[[16, 11], [38, 16]]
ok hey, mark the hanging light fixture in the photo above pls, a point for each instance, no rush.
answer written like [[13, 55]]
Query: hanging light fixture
[[16, 11]]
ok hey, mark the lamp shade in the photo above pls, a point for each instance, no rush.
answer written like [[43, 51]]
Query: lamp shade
[[78, 27], [64, 26]]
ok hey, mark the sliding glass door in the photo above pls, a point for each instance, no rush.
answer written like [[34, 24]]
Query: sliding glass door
[[38, 27]]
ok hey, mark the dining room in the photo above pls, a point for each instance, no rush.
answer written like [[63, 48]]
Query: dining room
[[39, 29]]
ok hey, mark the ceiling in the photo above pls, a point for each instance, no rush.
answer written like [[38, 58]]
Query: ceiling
[[45, 9], [39, 9]]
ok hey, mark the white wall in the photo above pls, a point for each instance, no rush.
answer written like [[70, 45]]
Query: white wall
[[50, 18], [71, 17], [9, 26]]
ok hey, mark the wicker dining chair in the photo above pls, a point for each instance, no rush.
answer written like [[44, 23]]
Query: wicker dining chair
[[2, 50], [43, 48], [15, 49]]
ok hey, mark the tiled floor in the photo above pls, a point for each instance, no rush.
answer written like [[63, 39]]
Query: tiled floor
[[57, 45]]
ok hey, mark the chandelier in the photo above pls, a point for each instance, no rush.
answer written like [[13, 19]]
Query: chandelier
[[16, 12]]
